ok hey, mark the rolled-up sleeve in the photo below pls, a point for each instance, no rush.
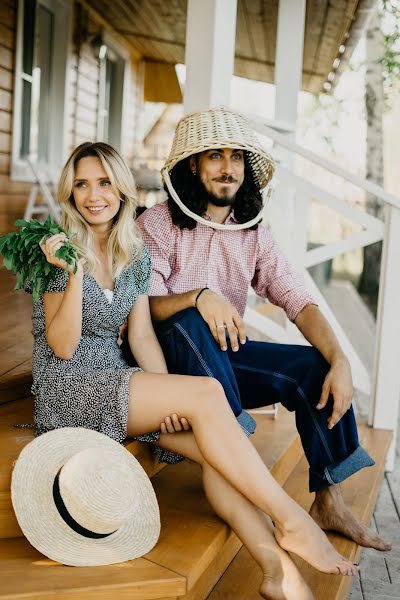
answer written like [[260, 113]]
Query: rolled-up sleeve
[[276, 279], [157, 232]]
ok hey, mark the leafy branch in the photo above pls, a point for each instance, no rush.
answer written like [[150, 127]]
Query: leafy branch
[[23, 256]]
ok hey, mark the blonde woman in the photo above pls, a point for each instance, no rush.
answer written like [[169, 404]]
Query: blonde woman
[[81, 378]]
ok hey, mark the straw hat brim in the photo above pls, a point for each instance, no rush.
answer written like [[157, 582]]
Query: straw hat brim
[[36, 512]]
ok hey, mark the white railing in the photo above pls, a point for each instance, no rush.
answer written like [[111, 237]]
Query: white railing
[[383, 384]]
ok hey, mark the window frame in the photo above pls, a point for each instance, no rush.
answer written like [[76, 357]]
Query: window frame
[[122, 54], [62, 11]]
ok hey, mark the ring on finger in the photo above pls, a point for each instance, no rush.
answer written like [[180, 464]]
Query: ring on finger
[[221, 326]]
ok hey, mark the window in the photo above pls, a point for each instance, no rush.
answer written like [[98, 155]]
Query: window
[[112, 70], [40, 86]]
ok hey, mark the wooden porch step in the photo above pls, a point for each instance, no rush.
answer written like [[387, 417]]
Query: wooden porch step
[[242, 578], [13, 439], [194, 549], [16, 341]]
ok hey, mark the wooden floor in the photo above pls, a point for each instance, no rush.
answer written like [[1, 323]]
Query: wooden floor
[[195, 549]]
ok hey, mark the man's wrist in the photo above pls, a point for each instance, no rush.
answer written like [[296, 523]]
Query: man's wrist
[[199, 292], [338, 358]]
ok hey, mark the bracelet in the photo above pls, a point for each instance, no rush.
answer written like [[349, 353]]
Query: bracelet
[[199, 294]]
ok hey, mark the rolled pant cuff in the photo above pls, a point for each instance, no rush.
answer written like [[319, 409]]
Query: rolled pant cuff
[[247, 423], [338, 472]]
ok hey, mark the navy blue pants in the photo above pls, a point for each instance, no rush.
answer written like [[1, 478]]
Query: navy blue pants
[[262, 373]]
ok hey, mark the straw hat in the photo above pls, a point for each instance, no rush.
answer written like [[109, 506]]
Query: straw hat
[[81, 499], [218, 128]]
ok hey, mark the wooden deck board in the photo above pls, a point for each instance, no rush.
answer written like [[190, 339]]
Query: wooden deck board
[[25, 573], [16, 341]]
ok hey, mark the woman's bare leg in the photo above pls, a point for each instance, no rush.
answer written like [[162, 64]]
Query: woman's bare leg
[[281, 579], [226, 448]]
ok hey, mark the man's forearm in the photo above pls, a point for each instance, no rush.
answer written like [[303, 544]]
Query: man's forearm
[[316, 329], [163, 307]]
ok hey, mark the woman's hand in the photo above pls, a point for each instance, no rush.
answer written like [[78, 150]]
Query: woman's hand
[[49, 248], [174, 424]]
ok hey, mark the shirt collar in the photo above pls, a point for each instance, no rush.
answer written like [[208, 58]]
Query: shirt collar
[[229, 219]]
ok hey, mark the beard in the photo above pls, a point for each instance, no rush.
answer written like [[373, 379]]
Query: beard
[[225, 199]]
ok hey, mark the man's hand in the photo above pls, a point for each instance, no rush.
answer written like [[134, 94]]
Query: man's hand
[[222, 318], [339, 383], [174, 424]]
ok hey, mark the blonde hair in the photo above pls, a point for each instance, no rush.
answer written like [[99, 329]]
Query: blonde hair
[[125, 241]]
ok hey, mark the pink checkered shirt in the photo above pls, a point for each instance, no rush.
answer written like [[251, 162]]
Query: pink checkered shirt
[[227, 262]]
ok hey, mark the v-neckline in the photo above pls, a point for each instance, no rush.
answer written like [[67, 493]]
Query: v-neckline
[[114, 291]]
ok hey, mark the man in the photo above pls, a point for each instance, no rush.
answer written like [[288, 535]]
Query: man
[[207, 248]]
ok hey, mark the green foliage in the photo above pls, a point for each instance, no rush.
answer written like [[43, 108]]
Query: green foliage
[[390, 19], [23, 255]]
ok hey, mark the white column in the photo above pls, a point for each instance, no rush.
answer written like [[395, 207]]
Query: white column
[[288, 217], [210, 53], [386, 378], [289, 59]]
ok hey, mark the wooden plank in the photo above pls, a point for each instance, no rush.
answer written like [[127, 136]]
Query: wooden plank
[[209, 578], [6, 79], [5, 138], [6, 57], [7, 36], [7, 15], [4, 160], [17, 187], [25, 573]]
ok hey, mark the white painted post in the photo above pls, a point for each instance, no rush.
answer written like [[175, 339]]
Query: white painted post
[[384, 411], [210, 53], [288, 220]]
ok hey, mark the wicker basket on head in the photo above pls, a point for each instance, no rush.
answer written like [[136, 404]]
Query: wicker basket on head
[[218, 128]]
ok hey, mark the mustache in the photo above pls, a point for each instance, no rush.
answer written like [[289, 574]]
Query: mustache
[[226, 179]]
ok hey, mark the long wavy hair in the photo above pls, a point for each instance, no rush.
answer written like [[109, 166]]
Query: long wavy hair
[[125, 241], [190, 189]]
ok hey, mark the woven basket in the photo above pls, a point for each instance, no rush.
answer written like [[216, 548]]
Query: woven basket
[[220, 128]]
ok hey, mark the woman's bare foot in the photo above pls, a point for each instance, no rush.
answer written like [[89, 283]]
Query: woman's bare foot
[[283, 581], [330, 513], [304, 538]]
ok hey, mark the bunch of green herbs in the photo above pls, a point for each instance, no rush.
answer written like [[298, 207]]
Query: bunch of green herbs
[[23, 255]]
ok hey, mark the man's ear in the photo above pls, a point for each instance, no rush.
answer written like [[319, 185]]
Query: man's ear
[[193, 165]]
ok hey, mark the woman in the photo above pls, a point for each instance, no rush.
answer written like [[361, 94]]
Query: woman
[[81, 378]]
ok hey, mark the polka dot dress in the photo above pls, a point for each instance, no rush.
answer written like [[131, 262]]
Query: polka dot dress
[[92, 388]]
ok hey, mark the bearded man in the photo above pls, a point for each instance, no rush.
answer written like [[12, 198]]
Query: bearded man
[[207, 247]]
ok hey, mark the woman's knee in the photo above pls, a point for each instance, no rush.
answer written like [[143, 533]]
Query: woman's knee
[[210, 394]]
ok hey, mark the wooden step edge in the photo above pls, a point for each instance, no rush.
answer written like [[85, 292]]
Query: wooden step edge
[[13, 391], [210, 577], [138, 579]]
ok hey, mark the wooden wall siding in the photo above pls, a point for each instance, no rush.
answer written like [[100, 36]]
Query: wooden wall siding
[[83, 91], [84, 72], [158, 28], [13, 195]]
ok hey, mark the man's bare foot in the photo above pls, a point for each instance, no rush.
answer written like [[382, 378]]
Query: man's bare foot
[[330, 513], [304, 538], [283, 581]]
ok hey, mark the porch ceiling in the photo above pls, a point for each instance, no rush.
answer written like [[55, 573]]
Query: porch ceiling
[[157, 28]]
